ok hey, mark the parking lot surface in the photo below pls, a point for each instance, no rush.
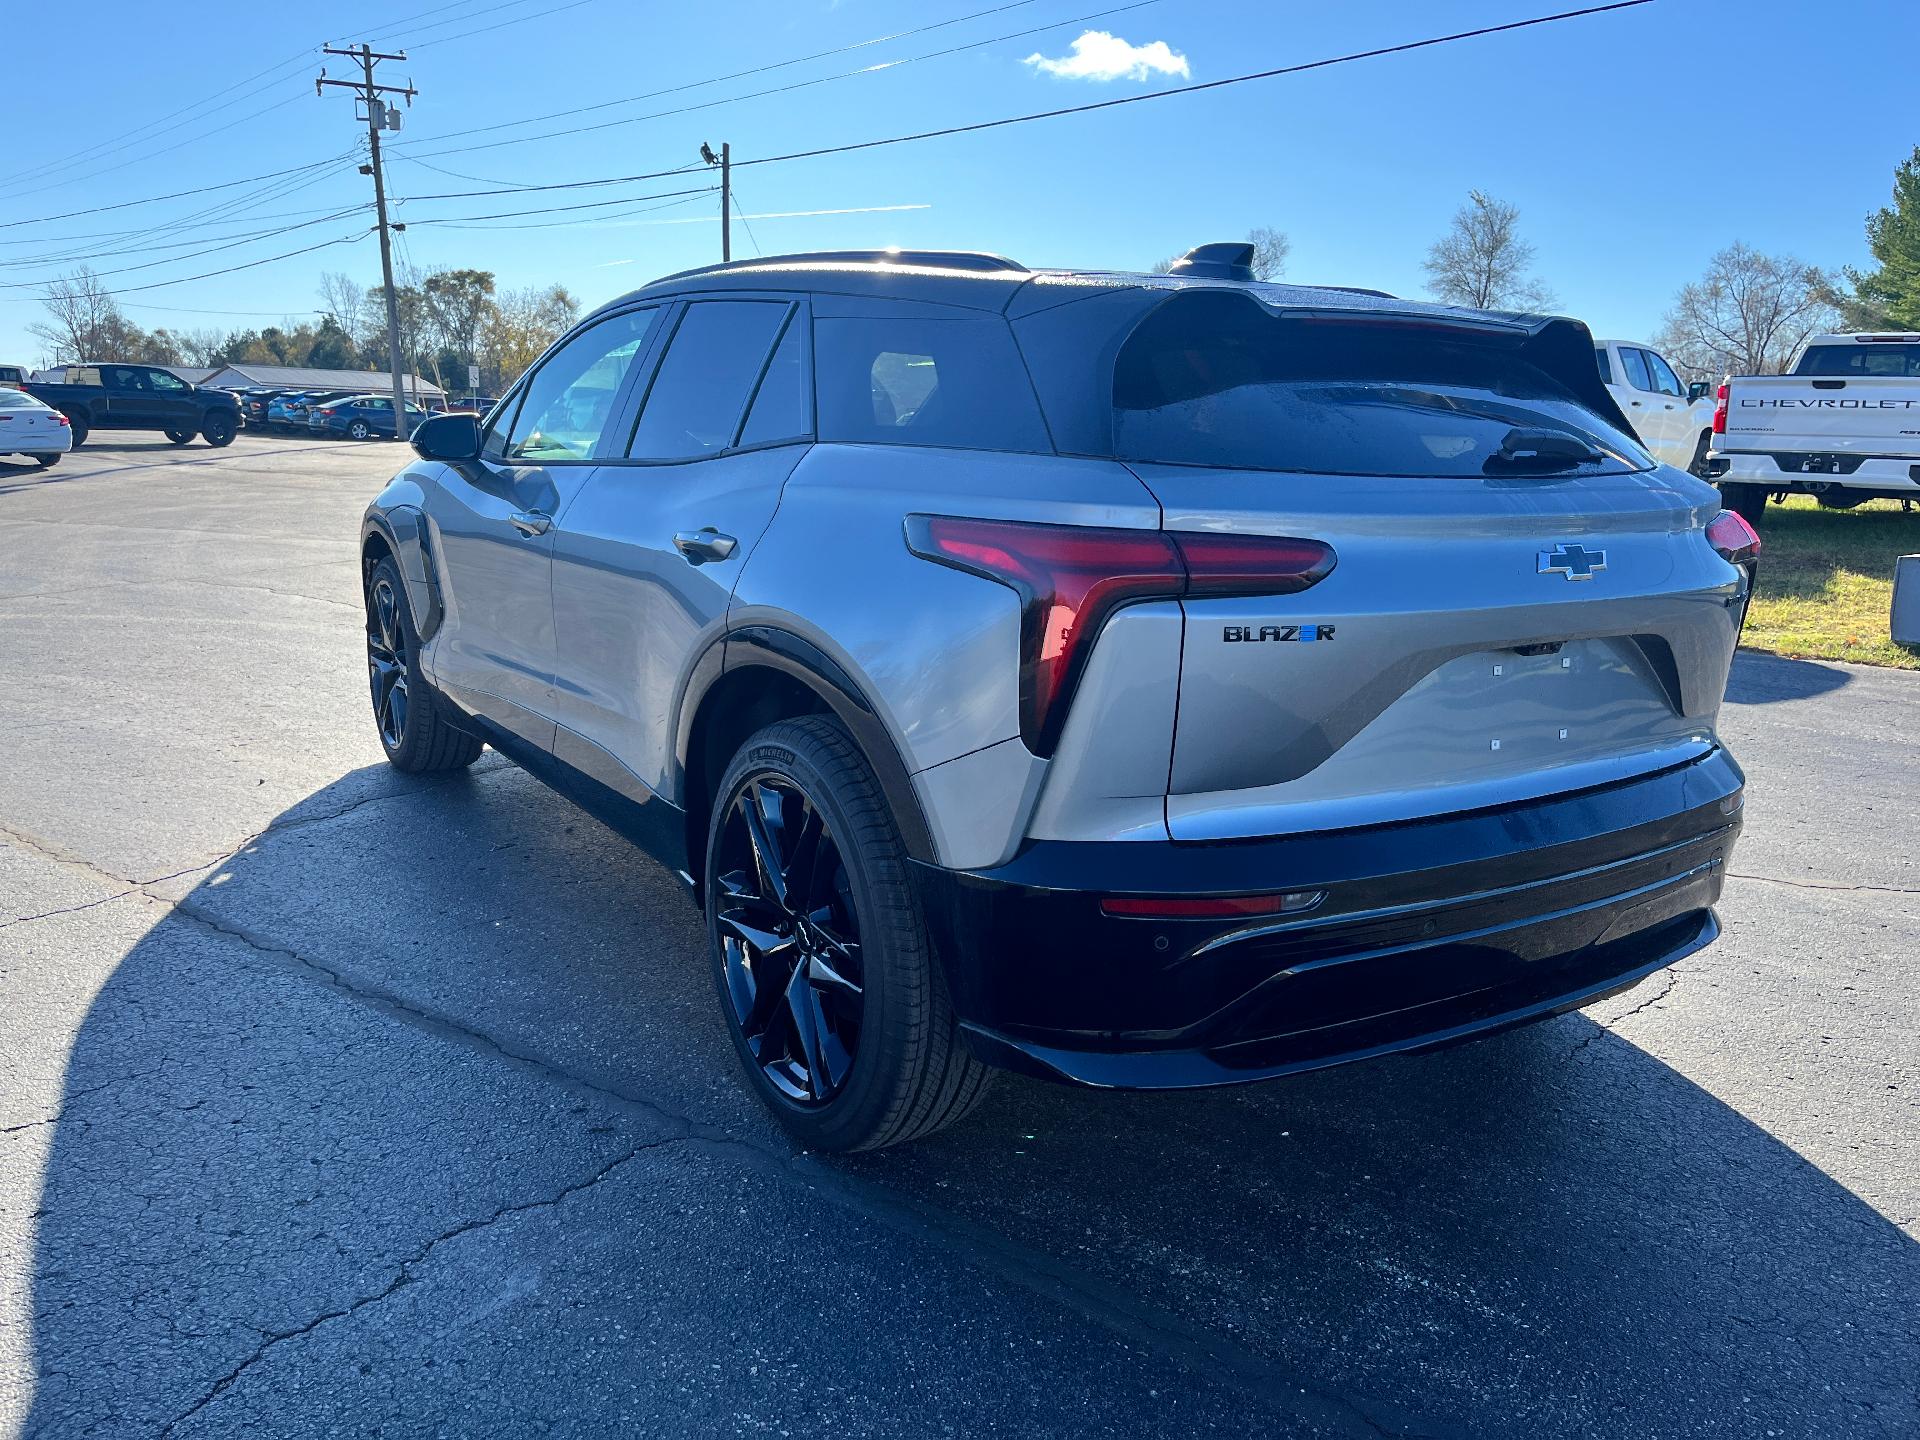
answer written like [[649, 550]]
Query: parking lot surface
[[333, 1101]]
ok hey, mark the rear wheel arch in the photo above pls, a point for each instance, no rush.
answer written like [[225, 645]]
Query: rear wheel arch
[[768, 675]]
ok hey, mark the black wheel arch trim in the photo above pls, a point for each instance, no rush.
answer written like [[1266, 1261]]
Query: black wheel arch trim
[[404, 529], [772, 648]]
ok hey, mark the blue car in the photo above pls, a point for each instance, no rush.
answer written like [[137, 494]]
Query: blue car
[[360, 417]]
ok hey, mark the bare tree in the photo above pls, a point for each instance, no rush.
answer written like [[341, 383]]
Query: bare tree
[[1270, 251], [82, 321], [346, 300], [521, 325], [1482, 261], [1748, 315]]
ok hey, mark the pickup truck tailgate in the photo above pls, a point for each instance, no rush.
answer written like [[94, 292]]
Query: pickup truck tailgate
[[1798, 414]]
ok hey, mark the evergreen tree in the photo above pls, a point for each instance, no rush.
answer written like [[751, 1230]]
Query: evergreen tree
[[1889, 295]]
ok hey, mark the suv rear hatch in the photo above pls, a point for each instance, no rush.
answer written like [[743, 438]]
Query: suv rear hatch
[[1523, 603]]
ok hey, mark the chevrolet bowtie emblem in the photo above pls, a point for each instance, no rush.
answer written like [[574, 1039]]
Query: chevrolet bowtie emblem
[[1576, 562]]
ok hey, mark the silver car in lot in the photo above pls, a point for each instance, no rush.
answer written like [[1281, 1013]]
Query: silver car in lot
[[1138, 681]]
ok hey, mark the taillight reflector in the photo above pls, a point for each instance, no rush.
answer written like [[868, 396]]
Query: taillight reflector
[[1070, 578], [1208, 907], [1736, 540]]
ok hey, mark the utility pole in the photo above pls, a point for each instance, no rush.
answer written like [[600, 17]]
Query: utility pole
[[725, 161], [380, 116]]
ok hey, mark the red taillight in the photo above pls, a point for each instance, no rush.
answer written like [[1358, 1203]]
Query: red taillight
[[1070, 578], [62, 419], [1209, 907], [1736, 540], [1720, 410]]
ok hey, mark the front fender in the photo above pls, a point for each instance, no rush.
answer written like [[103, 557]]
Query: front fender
[[397, 518]]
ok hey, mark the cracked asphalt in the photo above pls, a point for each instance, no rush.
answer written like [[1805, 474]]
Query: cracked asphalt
[[334, 1102]]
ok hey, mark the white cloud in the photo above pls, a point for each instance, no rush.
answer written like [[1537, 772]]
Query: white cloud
[[1097, 55]]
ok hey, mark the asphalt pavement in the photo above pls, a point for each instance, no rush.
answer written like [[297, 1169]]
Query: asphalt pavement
[[338, 1102]]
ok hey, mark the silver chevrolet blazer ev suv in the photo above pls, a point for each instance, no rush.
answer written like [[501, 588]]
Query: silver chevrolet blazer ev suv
[[1141, 681]]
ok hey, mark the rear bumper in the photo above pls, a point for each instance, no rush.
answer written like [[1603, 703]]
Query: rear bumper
[[1787, 470], [1430, 932]]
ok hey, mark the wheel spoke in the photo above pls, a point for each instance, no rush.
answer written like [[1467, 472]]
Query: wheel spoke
[[802, 856], [803, 1009], [765, 843]]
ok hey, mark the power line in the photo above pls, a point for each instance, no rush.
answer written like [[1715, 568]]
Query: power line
[[179, 194], [716, 79], [979, 125], [793, 85], [211, 250], [559, 209], [501, 25], [210, 274], [616, 218]]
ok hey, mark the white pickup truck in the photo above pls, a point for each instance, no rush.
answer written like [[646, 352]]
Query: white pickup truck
[[1843, 427], [1671, 419]]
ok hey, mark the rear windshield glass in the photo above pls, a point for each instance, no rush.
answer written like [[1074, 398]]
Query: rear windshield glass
[[1211, 379], [1901, 359], [917, 381]]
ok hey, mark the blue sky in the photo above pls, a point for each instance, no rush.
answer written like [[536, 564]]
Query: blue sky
[[1635, 144]]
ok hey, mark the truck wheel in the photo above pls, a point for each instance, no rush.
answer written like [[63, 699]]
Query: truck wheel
[[180, 437], [405, 711], [218, 430], [830, 986], [1698, 468], [1749, 502], [79, 431]]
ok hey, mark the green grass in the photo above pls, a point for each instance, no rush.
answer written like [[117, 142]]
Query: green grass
[[1826, 582]]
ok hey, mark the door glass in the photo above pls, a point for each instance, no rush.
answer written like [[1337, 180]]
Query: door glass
[[1634, 362], [570, 398], [1664, 380], [694, 406], [119, 377], [166, 382], [1606, 367], [782, 410]]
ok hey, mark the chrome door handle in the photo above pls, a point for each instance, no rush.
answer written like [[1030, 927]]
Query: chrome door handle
[[531, 522], [704, 544]]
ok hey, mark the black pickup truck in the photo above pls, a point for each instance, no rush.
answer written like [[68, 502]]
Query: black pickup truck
[[139, 397]]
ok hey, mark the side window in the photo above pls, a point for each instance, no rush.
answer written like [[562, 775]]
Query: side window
[[917, 381], [123, 377], [567, 403], [1664, 380], [1606, 366], [377, 403], [783, 407], [166, 382], [697, 398], [1634, 362]]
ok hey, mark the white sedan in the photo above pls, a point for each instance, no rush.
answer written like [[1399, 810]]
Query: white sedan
[[33, 429]]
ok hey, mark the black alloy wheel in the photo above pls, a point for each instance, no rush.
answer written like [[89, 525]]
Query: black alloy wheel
[[180, 437], [219, 429], [790, 940], [387, 661]]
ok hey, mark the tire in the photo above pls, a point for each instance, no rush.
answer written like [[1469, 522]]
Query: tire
[[218, 430], [78, 429], [48, 460], [180, 437], [1698, 467], [909, 1072], [359, 430], [412, 732], [1749, 502]]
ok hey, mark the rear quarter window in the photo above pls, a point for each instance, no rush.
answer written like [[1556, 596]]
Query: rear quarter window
[[1212, 378], [914, 380]]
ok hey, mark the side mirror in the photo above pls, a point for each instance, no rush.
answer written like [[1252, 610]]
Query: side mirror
[[1698, 390], [448, 437]]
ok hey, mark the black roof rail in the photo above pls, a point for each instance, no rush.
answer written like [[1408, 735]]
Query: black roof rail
[[978, 260]]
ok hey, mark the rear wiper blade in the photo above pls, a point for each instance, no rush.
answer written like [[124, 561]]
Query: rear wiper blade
[[1531, 449]]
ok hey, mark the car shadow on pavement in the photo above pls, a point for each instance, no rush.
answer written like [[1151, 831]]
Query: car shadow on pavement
[[1762, 678], [412, 1007]]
